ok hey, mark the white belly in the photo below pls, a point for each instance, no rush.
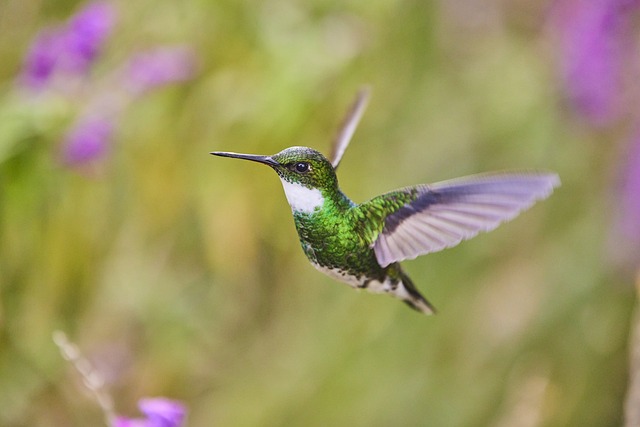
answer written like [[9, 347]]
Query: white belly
[[373, 286]]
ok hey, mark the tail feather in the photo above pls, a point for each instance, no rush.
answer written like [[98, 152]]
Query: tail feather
[[407, 292]]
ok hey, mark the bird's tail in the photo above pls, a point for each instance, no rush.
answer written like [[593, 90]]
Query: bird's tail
[[407, 292]]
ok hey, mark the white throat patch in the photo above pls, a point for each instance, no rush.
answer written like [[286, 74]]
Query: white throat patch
[[302, 199]]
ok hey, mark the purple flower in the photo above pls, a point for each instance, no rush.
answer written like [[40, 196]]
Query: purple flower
[[70, 49], [152, 69], [87, 141], [159, 412], [42, 58], [60, 59], [86, 34], [593, 43]]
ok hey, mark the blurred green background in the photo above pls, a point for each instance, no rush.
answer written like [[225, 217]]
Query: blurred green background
[[180, 275]]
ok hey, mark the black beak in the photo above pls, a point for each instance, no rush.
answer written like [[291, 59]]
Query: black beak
[[267, 160]]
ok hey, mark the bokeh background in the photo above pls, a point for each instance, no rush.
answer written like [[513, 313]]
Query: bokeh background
[[180, 275]]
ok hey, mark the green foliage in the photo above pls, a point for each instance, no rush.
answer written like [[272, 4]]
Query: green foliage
[[181, 275]]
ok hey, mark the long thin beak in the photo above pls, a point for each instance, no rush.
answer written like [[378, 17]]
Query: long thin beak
[[267, 160]]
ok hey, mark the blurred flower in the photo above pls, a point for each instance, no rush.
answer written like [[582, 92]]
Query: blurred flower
[[60, 55], [70, 49], [42, 58], [159, 412], [152, 69], [594, 37], [86, 34], [87, 141]]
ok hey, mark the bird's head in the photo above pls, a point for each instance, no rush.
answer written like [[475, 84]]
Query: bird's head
[[296, 165]]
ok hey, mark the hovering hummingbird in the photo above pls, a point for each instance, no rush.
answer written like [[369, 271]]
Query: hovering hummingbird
[[362, 244]]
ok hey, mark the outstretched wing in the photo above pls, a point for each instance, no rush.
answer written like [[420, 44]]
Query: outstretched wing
[[441, 215], [349, 126]]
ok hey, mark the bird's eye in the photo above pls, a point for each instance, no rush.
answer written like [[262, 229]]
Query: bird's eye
[[301, 167]]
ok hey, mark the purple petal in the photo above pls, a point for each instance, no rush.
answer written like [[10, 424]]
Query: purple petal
[[86, 33], [592, 41], [42, 58], [152, 69], [87, 141], [163, 412]]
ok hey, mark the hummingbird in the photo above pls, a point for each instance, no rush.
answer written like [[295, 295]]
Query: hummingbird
[[363, 244]]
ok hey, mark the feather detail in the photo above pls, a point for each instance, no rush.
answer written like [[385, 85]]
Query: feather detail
[[442, 215], [348, 128]]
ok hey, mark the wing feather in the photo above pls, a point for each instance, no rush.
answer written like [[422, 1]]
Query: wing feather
[[348, 128], [444, 214]]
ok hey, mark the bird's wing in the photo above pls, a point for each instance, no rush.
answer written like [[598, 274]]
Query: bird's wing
[[349, 126], [437, 216]]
